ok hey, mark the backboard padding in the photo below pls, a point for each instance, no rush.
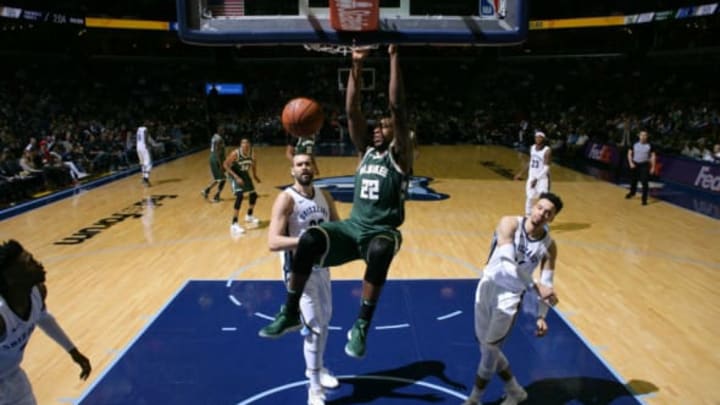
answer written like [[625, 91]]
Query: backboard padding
[[397, 25]]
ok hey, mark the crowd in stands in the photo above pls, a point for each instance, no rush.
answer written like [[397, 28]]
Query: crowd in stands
[[60, 127], [464, 101]]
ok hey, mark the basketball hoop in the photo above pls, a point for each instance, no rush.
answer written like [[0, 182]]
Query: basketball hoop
[[339, 49]]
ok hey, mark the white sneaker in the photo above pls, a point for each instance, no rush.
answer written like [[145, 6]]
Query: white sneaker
[[316, 397], [236, 229], [327, 380], [82, 175], [251, 219], [514, 396]]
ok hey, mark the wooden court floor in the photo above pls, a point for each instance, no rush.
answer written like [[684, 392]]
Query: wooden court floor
[[639, 283]]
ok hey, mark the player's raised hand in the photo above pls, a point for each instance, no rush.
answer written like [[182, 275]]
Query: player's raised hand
[[392, 49], [359, 53]]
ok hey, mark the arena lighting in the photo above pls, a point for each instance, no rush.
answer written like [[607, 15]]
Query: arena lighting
[[225, 89]]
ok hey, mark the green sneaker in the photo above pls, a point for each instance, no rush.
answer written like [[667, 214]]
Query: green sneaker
[[357, 336], [284, 322]]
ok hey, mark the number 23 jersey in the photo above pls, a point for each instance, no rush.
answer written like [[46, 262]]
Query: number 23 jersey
[[307, 212]]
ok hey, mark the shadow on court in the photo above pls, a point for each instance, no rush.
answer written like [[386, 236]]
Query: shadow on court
[[584, 390], [372, 387], [568, 226], [165, 181]]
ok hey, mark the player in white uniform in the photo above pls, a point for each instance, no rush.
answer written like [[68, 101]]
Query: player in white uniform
[[538, 180], [144, 142], [520, 245], [22, 306], [297, 208]]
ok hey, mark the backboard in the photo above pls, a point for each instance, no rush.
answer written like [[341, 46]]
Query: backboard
[[407, 22]]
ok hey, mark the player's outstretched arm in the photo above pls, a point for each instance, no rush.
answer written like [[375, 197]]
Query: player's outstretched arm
[[83, 362], [227, 164], [331, 204], [357, 125], [50, 326], [398, 112], [545, 286], [277, 239]]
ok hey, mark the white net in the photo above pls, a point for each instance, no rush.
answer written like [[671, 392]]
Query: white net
[[338, 49]]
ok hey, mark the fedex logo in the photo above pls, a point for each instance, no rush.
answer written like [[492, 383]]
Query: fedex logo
[[600, 153], [706, 180]]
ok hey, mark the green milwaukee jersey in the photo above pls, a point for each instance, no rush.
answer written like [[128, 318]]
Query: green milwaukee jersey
[[380, 190], [305, 145], [242, 166]]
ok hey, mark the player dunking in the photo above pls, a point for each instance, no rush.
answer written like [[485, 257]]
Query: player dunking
[[378, 210], [297, 208], [239, 165], [22, 306], [217, 159], [538, 180], [519, 246]]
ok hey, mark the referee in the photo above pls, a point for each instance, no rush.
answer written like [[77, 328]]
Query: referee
[[641, 159]]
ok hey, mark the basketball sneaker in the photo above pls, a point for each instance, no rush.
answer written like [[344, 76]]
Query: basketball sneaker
[[216, 198], [236, 229], [316, 397], [204, 193], [357, 336], [284, 322], [251, 219], [514, 395], [327, 380]]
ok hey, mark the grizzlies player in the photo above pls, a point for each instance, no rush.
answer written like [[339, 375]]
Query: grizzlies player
[[538, 180], [371, 231], [22, 307], [297, 208], [143, 144], [520, 245], [239, 165]]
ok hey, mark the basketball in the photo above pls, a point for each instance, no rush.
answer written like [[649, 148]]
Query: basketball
[[302, 117]]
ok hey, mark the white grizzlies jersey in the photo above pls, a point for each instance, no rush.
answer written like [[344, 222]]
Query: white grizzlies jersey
[[17, 332], [141, 137], [306, 212], [537, 162], [528, 254]]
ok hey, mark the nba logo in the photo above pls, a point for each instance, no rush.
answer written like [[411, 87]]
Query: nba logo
[[487, 8]]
